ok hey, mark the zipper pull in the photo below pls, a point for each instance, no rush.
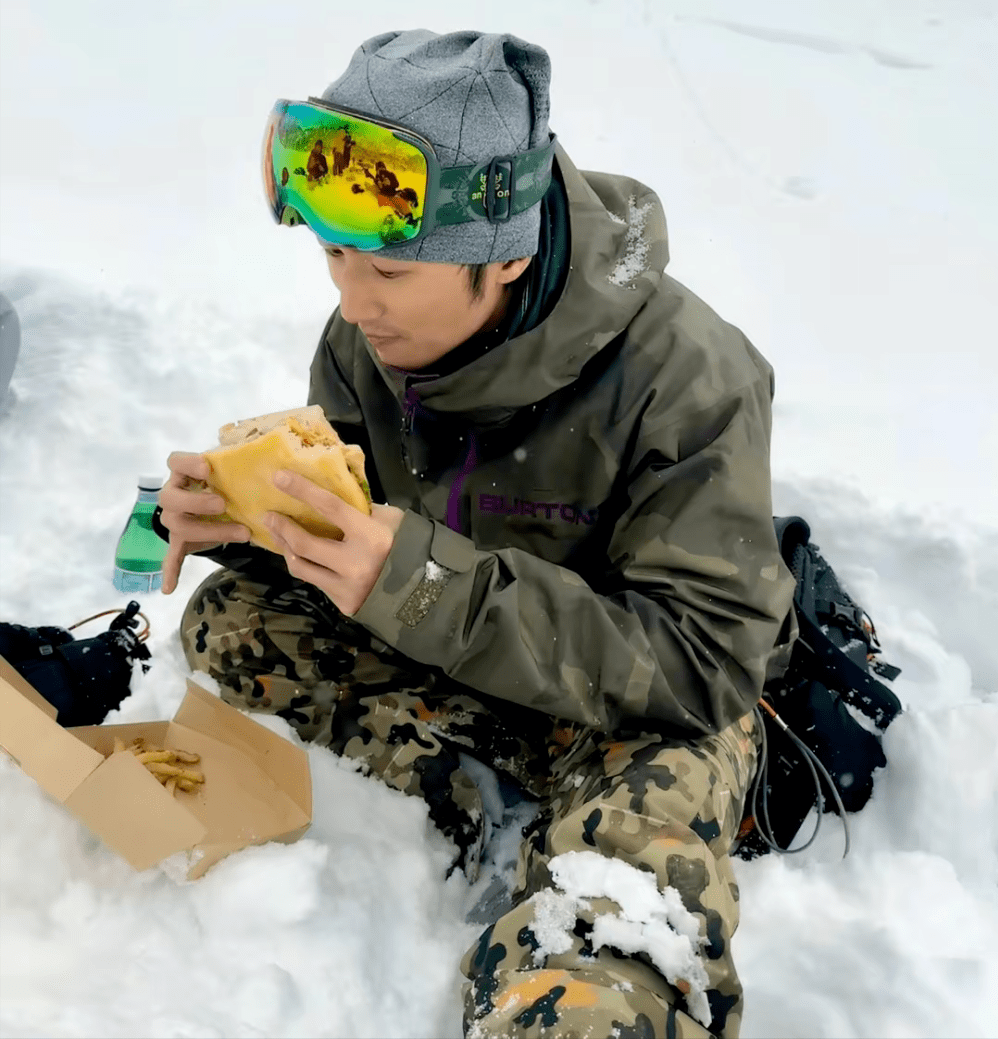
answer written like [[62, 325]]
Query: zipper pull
[[408, 406], [406, 430]]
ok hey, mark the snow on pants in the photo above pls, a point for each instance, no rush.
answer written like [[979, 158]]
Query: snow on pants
[[668, 808]]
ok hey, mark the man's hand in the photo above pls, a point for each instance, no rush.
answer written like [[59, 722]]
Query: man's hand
[[345, 570], [183, 512]]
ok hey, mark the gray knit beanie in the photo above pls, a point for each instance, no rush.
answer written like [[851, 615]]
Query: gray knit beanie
[[472, 95]]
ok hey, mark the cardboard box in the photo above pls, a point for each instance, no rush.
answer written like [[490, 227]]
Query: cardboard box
[[257, 785]]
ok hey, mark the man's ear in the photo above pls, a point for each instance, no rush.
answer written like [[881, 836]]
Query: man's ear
[[510, 270]]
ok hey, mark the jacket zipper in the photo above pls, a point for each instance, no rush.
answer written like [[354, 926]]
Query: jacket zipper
[[408, 411]]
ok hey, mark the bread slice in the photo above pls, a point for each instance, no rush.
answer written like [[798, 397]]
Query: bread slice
[[299, 440]]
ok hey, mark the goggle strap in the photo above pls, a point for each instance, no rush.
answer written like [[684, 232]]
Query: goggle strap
[[497, 190]]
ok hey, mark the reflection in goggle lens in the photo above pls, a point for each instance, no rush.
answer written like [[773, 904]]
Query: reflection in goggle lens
[[352, 182]]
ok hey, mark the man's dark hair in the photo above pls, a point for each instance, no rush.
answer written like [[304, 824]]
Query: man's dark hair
[[476, 278]]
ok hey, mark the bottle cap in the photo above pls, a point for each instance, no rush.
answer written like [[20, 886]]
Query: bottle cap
[[150, 483]]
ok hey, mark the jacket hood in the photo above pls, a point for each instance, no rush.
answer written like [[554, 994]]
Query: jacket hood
[[619, 251]]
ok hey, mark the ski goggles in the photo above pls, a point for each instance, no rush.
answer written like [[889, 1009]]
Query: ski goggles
[[359, 181]]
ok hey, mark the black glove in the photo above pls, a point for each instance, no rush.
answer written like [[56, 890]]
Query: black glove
[[83, 680]]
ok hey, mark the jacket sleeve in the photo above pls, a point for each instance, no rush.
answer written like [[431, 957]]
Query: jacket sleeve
[[683, 630]]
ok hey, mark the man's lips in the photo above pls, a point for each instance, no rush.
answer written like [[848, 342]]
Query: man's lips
[[379, 338]]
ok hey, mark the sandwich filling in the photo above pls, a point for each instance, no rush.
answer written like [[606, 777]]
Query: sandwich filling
[[352, 455], [310, 437]]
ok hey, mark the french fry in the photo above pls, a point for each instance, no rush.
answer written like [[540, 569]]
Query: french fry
[[119, 745], [147, 757], [165, 764], [158, 768]]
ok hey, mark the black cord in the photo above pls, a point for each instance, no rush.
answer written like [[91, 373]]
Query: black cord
[[762, 783], [762, 821]]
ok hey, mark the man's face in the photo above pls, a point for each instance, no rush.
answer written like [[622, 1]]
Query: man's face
[[411, 312]]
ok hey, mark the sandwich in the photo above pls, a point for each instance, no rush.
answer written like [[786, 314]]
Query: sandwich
[[300, 440]]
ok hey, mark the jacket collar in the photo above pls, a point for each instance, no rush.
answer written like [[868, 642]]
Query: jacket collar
[[608, 241]]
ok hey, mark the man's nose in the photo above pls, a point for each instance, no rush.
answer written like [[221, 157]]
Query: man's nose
[[359, 304]]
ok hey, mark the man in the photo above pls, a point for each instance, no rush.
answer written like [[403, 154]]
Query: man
[[317, 165], [574, 580]]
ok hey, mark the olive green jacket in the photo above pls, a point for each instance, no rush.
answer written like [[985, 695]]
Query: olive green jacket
[[588, 526]]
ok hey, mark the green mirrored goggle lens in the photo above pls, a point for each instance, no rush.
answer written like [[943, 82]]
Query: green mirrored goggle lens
[[352, 182]]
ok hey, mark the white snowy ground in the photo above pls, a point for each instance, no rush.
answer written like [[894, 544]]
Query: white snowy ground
[[828, 169]]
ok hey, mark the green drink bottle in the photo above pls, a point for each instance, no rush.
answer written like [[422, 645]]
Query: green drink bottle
[[138, 561]]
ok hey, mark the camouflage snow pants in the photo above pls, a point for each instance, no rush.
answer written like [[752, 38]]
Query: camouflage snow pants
[[666, 808]]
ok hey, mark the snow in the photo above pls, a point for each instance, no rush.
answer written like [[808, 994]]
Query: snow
[[828, 175], [636, 245], [277, 940], [651, 921], [434, 573], [555, 916]]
